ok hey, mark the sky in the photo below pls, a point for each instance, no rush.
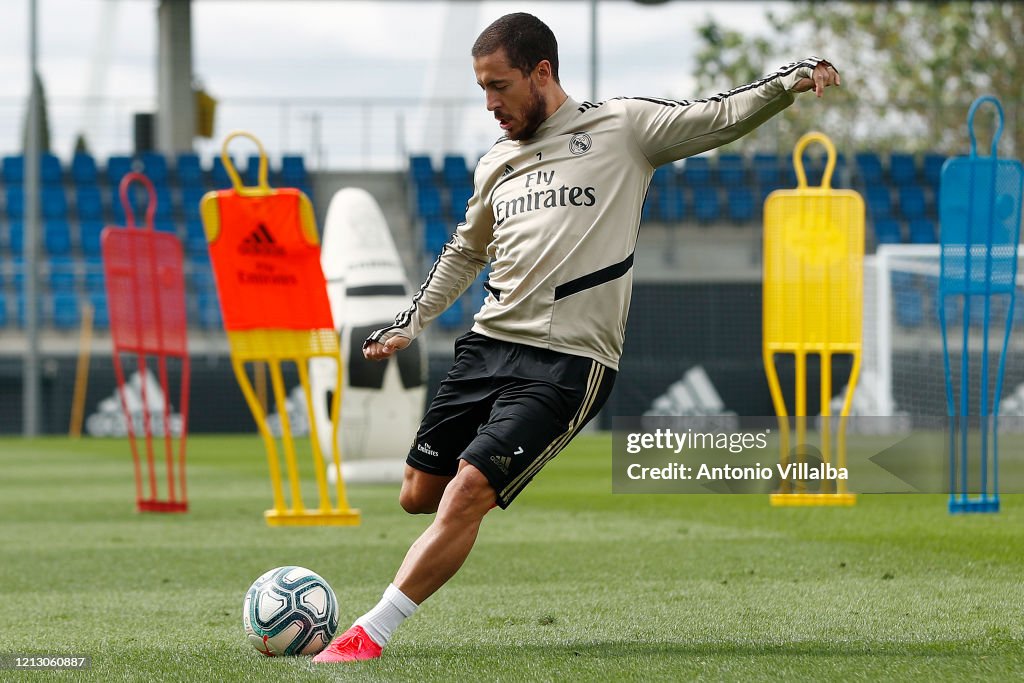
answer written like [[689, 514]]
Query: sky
[[342, 82]]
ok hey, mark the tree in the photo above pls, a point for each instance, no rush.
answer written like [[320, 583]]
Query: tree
[[910, 70]]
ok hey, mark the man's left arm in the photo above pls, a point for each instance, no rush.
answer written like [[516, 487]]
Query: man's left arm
[[667, 130]]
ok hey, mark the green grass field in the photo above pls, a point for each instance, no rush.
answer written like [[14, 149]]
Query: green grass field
[[571, 583]]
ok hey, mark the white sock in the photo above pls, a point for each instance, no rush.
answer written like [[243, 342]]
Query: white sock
[[381, 621]]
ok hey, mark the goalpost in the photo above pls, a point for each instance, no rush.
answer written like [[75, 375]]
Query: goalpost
[[902, 371]]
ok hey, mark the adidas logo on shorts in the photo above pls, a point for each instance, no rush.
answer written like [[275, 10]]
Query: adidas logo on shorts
[[502, 461]]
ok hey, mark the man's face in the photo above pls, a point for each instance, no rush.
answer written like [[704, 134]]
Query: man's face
[[516, 101]]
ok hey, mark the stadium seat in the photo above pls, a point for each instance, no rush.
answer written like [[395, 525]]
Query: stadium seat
[[428, 201], [649, 212], [251, 173], [189, 170], [13, 170], [208, 310], [154, 165], [705, 205], [83, 169], [879, 201], [697, 172], [293, 172], [65, 310], [3, 311], [164, 204], [459, 196], [869, 166], [902, 168], [933, 169], [164, 225], [195, 237], [16, 235], [100, 313], [94, 278], [887, 231], [909, 307], [912, 202], [57, 237], [922, 231], [88, 203], [89, 231], [117, 167], [53, 203], [731, 170], [671, 205], [665, 177], [454, 170], [191, 196], [219, 174], [51, 172], [421, 170], [453, 316], [17, 270], [740, 204], [435, 235], [61, 274], [15, 204], [766, 169]]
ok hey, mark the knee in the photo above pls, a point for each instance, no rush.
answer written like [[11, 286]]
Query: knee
[[468, 496], [417, 502]]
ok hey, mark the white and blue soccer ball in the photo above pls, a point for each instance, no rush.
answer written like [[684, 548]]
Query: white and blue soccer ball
[[290, 611]]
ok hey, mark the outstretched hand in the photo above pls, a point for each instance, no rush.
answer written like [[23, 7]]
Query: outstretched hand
[[824, 75], [379, 351]]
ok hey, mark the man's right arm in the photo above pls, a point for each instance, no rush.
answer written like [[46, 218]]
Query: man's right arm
[[461, 260]]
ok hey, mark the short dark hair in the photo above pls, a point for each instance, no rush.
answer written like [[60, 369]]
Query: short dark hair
[[527, 42]]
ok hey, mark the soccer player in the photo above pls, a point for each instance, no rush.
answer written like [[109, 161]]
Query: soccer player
[[555, 211]]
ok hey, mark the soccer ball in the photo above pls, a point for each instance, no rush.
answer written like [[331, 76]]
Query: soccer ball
[[290, 611]]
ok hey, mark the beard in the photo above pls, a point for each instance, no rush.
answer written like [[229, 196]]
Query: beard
[[533, 116]]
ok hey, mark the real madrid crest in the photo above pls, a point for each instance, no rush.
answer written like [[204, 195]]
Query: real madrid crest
[[580, 143]]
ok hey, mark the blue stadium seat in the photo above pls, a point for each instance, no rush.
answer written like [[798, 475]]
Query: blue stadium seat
[[766, 169], [219, 174], [201, 280], [887, 231], [912, 202], [697, 172], [88, 203], [164, 203], [731, 169], [117, 167], [189, 170], [869, 166], [251, 173], [453, 317], [208, 310], [293, 172], [14, 170], [706, 205], [53, 203], [15, 202], [165, 225], [428, 201], [902, 168], [154, 165], [17, 272], [649, 212], [89, 231], [100, 313], [671, 205], [933, 168], [65, 310], [665, 177], [879, 201], [195, 237], [459, 196], [95, 282], [57, 237], [922, 231], [61, 274], [3, 310], [454, 170], [51, 172], [191, 196], [435, 235], [421, 169], [83, 169], [16, 235], [740, 204]]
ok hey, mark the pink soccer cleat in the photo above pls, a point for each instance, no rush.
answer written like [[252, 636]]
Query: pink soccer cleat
[[351, 646]]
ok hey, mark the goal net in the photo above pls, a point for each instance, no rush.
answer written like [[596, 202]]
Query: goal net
[[903, 360]]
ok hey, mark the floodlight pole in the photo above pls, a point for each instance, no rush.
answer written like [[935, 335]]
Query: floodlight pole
[[30, 391]]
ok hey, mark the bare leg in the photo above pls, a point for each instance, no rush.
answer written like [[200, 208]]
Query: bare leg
[[421, 492], [440, 550]]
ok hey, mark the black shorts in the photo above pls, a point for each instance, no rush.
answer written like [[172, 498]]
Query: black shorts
[[508, 409]]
